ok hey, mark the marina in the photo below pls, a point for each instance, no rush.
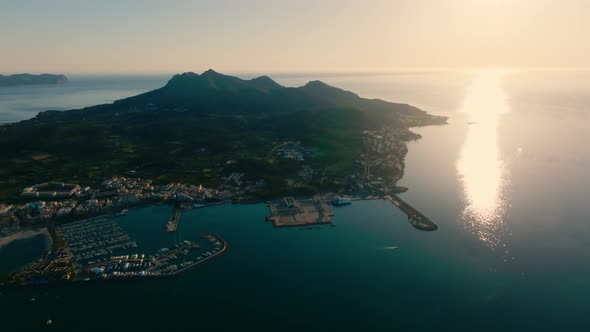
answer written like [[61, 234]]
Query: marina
[[166, 262], [102, 248], [92, 239]]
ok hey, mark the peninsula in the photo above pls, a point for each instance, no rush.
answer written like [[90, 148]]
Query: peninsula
[[29, 79], [199, 140], [254, 138]]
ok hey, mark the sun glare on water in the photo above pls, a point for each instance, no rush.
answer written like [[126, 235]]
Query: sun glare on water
[[480, 167]]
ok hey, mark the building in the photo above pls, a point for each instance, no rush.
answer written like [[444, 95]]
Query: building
[[51, 190]]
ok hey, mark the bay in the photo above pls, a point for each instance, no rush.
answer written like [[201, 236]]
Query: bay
[[511, 252]]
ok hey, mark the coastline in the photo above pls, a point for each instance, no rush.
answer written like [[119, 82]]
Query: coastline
[[24, 234]]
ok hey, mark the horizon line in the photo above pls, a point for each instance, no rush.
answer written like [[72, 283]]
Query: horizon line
[[318, 71]]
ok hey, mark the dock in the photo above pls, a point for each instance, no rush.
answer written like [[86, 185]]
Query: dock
[[172, 225], [220, 248], [289, 211], [417, 219], [163, 264], [94, 238]]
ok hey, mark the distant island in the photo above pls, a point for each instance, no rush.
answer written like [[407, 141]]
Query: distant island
[[253, 138], [29, 79]]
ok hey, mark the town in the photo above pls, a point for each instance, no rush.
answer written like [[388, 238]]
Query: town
[[114, 194], [79, 218], [378, 169]]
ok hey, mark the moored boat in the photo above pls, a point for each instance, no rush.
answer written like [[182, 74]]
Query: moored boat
[[341, 202], [122, 213]]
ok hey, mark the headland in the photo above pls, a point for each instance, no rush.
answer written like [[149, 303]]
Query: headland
[[257, 140], [30, 79]]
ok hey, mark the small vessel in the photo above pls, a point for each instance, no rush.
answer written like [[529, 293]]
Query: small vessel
[[341, 202], [391, 248], [122, 213], [308, 228], [198, 206]]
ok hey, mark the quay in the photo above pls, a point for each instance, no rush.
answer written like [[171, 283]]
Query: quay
[[417, 219], [289, 211], [172, 225]]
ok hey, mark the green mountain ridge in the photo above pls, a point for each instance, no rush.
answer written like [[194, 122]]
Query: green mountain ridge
[[157, 133], [261, 94]]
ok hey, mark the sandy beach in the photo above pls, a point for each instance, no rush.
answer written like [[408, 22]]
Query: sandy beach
[[27, 233]]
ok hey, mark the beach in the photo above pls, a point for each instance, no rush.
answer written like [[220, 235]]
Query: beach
[[24, 234]]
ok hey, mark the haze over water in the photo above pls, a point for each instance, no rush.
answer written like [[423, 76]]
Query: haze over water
[[506, 181], [23, 102]]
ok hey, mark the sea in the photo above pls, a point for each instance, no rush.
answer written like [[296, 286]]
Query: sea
[[506, 181]]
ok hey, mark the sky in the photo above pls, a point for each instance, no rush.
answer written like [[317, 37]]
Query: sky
[[150, 36]]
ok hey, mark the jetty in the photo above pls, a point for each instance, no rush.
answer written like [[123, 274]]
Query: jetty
[[166, 263], [417, 219], [172, 225], [220, 247]]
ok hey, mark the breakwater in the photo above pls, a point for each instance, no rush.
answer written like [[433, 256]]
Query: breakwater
[[416, 218]]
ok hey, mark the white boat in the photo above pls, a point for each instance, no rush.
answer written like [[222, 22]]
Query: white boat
[[391, 248], [122, 213]]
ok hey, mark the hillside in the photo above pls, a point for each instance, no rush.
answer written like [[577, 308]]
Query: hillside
[[190, 128]]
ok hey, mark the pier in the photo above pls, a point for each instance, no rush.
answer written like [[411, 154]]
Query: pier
[[166, 263], [172, 225], [220, 246], [417, 219]]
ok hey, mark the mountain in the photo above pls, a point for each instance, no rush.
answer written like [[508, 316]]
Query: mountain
[[190, 128], [215, 93], [212, 90], [213, 80], [28, 79]]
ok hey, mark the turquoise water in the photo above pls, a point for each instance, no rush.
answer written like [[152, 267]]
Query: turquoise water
[[511, 253], [337, 277], [333, 278]]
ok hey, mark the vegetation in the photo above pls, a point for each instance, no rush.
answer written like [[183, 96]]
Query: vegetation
[[189, 129]]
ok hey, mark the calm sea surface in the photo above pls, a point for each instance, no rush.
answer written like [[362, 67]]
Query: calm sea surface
[[24, 102], [507, 181], [17, 254]]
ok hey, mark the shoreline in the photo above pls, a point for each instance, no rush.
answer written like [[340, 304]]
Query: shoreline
[[24, 234]]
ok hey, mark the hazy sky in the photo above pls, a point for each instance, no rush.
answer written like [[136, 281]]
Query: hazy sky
[[299, 35]]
